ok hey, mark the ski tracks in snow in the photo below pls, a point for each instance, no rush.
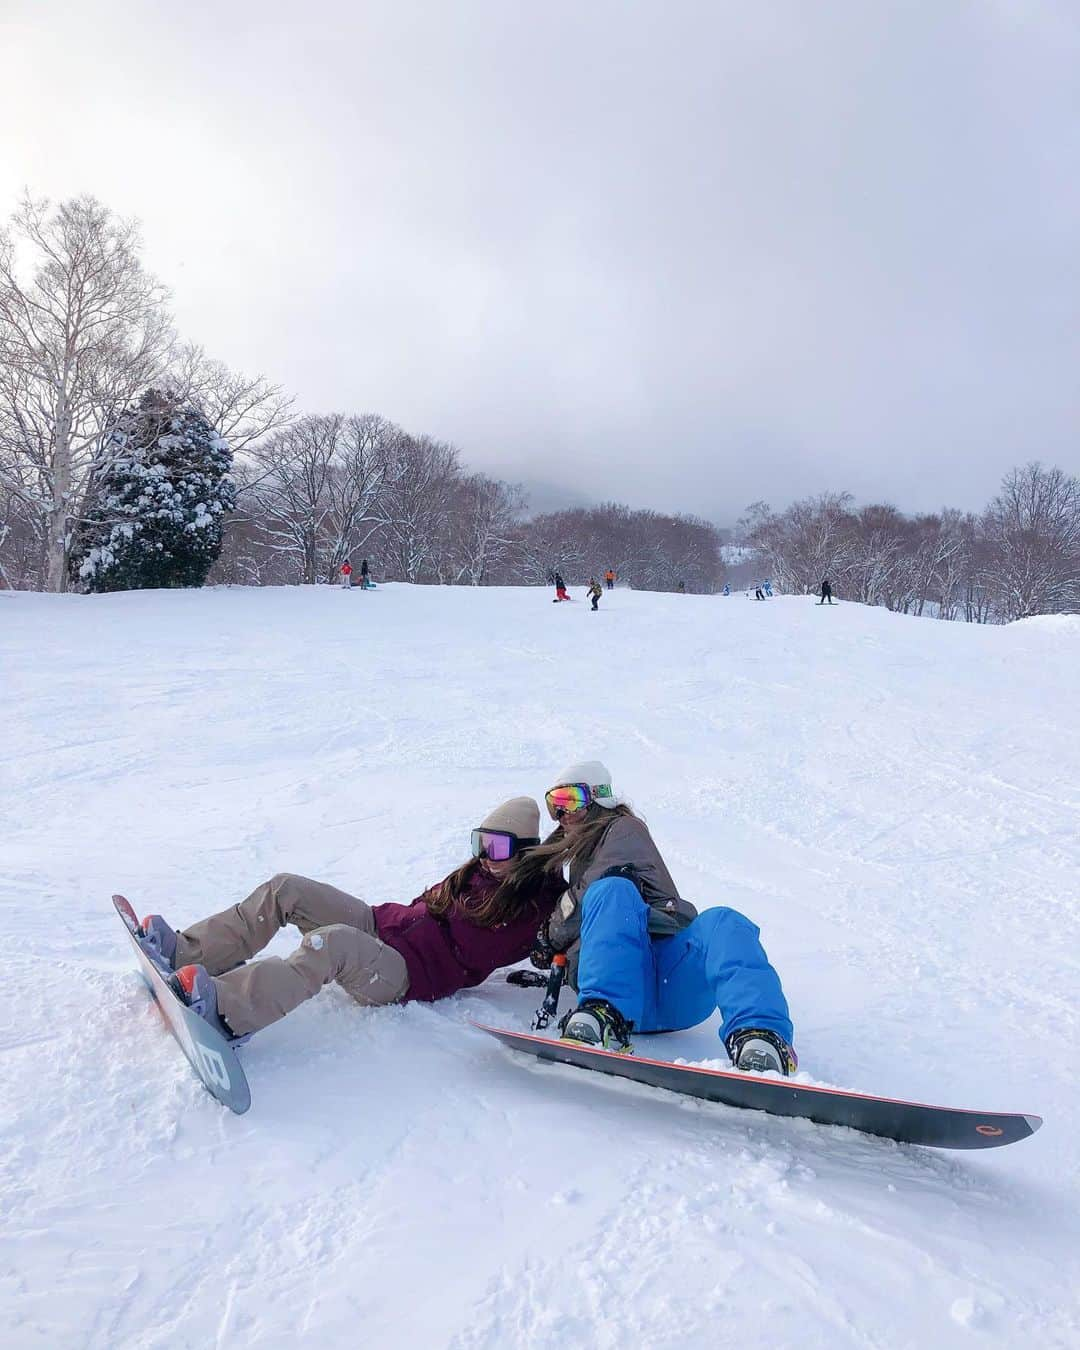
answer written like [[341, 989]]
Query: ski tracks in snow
[[892, 800]]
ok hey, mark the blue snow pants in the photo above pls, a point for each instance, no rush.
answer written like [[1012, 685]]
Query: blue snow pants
[[667, 983]]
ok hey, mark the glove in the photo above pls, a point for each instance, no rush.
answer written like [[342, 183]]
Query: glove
[[526, 979], [543, 950]]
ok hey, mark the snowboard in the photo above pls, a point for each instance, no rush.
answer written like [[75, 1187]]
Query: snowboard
[[906, 1122], [207, 1051]]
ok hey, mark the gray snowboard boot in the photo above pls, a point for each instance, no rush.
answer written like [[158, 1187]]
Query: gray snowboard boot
[[160, 938], [757, 1051], [598, 1025]]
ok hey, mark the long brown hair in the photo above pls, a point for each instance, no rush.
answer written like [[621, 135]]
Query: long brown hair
[[559, 848], [532, 868], [521, 886]]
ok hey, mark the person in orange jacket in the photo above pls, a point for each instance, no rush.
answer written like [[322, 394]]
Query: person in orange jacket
[[609, 579], [346, 573]]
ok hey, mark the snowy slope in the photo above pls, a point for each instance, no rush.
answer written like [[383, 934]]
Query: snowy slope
[[894, 801]]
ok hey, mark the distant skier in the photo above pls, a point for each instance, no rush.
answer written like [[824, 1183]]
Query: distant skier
[[640, 956], [594, 593], [727, 589], [365, 578], [560, 589], [826, 591], [346, 573], [759, 594], [484, 915], [681, 588], [768, 590], [609, 579]]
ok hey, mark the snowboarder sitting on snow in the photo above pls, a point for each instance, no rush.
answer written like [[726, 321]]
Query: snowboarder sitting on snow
[[640, 957], [560, 589], [594, 593], [482, 916]]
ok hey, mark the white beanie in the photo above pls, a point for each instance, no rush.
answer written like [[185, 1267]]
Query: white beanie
[[595, 777], [520, 816]]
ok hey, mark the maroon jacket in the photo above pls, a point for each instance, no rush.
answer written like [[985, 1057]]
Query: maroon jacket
[[443, 955]]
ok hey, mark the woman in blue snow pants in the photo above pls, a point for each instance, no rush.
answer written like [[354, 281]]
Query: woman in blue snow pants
[[640, 956], [668, 983]]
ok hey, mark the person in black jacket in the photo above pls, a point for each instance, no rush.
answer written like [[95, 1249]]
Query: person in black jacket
[[826, 591], [639, 955]]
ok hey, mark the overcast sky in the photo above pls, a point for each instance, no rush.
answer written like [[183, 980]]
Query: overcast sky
[[683, 255]]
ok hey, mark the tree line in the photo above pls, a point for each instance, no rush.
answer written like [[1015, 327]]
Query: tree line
[[333, 488], [1019, 557], [130, 458]]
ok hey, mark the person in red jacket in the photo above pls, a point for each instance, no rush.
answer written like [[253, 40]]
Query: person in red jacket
[[482, 916], [346, 573]]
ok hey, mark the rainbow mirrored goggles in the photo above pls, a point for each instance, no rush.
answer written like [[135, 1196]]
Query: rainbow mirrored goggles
[[499, 845], [561, 801]]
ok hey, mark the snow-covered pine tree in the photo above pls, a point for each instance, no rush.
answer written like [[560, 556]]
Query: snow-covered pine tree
[[159, 493]]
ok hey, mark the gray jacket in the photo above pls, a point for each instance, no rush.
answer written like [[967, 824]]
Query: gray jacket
[[626, 848]]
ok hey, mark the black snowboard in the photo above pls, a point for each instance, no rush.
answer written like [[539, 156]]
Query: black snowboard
[[906, 1122], [209, 1053]]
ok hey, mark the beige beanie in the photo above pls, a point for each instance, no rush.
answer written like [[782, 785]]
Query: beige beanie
[[520, 816]]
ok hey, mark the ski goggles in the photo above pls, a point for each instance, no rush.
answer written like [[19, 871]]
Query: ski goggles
[[498, 845], [571, 797]]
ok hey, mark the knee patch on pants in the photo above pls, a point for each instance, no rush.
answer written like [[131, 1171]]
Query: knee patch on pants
[[609, 891], [365, 967]]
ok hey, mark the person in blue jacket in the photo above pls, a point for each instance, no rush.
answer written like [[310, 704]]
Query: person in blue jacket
[[639, 955]]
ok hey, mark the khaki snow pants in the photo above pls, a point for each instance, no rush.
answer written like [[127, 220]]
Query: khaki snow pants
[[340, 944]]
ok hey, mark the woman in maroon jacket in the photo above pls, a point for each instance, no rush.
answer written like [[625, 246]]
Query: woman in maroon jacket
[[484, 915]]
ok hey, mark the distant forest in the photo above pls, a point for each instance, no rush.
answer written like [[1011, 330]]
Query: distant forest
[[130, 459]]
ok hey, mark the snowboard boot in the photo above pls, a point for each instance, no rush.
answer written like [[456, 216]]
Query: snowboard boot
[[756, 1051], [596, 1024], [160, 938], [196, 988]]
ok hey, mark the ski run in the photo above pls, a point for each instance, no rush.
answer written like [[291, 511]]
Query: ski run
[[893, 800]]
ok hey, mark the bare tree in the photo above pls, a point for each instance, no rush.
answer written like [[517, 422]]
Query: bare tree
[[292, 500], [937, 564], [359, 510], [419, 494], [1033, 526], [22, 529], [242, 409], [879, 548], [484, 518], [317, 491], [647, 550], [83, 329], [548, 544], [812, 539]]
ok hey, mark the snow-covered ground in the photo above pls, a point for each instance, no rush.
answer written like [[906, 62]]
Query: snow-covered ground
[[894, 801]]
